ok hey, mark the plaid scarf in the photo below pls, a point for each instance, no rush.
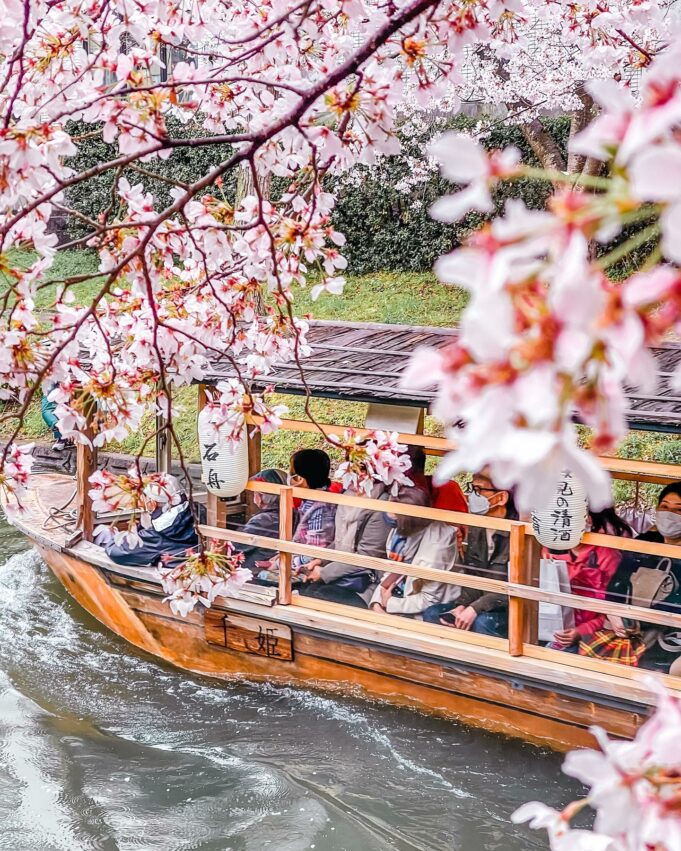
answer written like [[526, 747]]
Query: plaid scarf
[[604, 644], [397, 547]]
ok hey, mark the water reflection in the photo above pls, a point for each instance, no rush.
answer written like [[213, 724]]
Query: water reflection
[[101, 747]]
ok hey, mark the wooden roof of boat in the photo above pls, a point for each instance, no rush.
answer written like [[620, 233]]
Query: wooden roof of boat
[[364, 362]]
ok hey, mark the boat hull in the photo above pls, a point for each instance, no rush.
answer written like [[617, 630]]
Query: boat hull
[[515, 706]]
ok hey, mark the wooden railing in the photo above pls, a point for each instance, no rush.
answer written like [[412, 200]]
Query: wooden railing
[[522, 571]]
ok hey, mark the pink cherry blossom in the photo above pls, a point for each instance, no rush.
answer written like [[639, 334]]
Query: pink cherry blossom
[[634, 787], [465, 161], [374, 457], [202, 576]]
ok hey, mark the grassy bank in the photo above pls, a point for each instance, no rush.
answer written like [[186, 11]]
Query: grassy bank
[[411, 298]]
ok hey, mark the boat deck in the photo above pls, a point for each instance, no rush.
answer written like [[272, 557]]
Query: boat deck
[[41, 518]]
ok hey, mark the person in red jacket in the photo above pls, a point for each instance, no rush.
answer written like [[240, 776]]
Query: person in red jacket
[[448, 497], [590, 570]]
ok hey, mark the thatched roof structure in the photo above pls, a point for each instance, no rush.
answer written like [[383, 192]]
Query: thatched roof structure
[[364, 361]]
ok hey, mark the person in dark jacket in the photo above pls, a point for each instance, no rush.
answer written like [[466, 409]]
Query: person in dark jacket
[[265, 522], [170, 535], [487, 554], [624, 589], [48, 409]]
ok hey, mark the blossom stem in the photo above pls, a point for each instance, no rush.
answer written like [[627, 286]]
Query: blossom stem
[[555, 176], [634, 242]]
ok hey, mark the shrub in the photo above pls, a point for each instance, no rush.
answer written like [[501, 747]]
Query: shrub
[[384, 215], [187, 165]]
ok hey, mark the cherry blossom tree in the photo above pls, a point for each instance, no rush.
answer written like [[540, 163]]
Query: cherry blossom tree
[[634, 787], [546, 73], [297, 89], [547, 334]]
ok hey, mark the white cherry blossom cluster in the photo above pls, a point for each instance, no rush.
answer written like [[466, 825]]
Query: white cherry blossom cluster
[[374, 457], [297, 90], [548, 337], [634, 787], [14, 477], [229, 405], [135, 493], [203, 575]]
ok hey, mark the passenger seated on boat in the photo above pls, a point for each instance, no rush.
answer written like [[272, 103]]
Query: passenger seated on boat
[[171, 534], [655, 582], [421, 542], [265, 522], [590, 569], [487, 554], [310, 469], [448, 496], [358, 530]]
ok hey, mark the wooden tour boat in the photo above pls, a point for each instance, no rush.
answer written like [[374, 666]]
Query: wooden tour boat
[[512, 686]]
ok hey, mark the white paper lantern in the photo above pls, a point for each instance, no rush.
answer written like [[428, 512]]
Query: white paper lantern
[[561, 523], [224, 463]]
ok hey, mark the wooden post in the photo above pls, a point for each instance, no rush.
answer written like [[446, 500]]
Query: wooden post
[[254, 466], [86, 464], [532, 556], [516, 606], [285, 534]]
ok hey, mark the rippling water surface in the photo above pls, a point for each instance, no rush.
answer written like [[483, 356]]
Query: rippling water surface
[[101, 747]]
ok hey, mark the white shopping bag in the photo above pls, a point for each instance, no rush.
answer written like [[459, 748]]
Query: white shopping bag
[[553, 576]]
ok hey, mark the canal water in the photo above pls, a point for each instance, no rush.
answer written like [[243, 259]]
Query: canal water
[[102, 747]]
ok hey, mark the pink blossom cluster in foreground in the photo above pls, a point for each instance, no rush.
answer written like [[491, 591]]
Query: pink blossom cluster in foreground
[[205, 574], [299, 90], [547, 335], [229, 404], [14, 476], [634, 787], [133, 492]]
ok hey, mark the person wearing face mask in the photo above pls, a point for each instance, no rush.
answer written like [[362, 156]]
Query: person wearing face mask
[[265, 522], [590, 569], [667, 517], [362, 531], [623, 588], [422, 542], [486, 555]]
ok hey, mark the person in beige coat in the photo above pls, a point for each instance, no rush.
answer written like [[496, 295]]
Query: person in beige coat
[[423, 543], [362, 531]]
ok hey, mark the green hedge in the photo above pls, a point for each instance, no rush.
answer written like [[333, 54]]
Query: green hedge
[[386, 228], [389, 228], [93, 196]]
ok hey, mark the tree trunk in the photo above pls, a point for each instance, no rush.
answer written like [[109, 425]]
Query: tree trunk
[[544, 146], [578, 121], [245, 184]]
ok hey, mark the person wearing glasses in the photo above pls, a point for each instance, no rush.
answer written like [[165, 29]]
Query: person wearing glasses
[[487, 555]]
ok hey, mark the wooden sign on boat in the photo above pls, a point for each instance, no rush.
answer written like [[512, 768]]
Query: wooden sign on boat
[[249, 635]]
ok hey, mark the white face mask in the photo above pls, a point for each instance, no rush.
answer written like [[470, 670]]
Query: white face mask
[[478, 504], [668, 524]]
